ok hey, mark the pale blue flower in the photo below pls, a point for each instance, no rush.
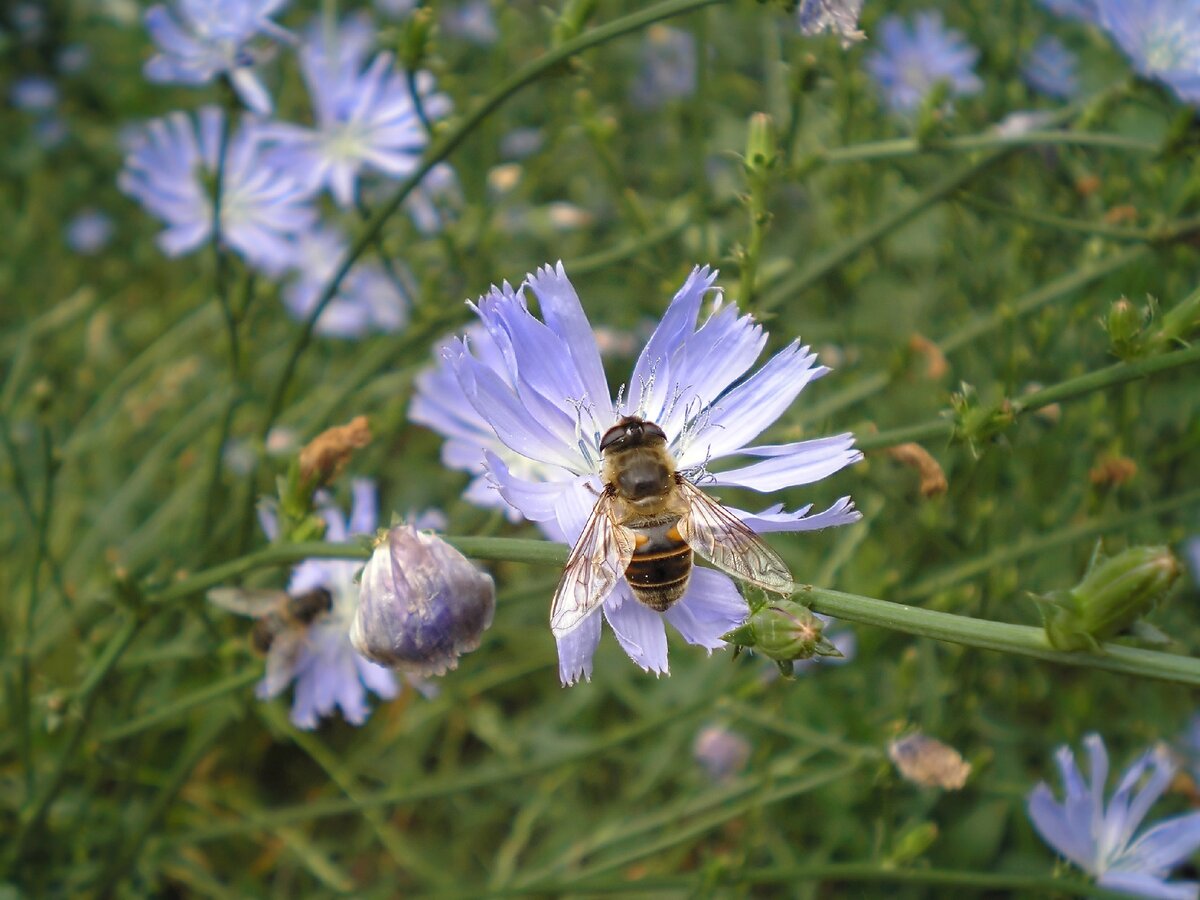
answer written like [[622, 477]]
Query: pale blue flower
[[34, 94], [1188, 745], [1191, 552], [367, 299], [1083, 10], [168, 171], [29, 19], [913, 58], [339, 48], [1161, 39], [540, 386], [440, 403], [1100, 837], [667, 69], [365, 121], [837, 16], [328, 673], [50, 132], [1050, 68], [199, 40], [472, 21], [89, 231], [721, 752], [398, 9], [73, 59]]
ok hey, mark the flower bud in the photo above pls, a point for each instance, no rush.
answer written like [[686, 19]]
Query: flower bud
[[1125, 324], [762, 146], [722, 753], [421, 604], [1110, 598], [785, 631]]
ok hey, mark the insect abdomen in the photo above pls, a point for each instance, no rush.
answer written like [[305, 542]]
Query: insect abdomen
[[661, 566]]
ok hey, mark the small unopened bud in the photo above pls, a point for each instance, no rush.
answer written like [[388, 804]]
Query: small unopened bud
[[571, 20], [928, 762], [1125, 324], [785, 631], [762, 146], [1111, 597], [421, 604], [720, 752], [414, 43], [323, 458]]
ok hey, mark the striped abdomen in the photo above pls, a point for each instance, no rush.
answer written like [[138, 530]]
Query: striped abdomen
[[661, 566]]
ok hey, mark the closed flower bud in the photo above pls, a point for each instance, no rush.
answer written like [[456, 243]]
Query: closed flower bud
[[1111, 597], [421, 605], [761, 143], [785, 631], [1125, 324]]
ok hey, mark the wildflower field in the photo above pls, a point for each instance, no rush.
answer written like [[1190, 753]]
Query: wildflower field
[[696, 448]]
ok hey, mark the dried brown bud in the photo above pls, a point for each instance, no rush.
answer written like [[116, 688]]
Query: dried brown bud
[[324, 457], [933, 479], [936, 366], [1120, 214], [928, 762], [1112, 470], [1088, 185]]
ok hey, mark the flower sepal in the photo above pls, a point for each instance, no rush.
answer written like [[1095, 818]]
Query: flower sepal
[[1110, 599]]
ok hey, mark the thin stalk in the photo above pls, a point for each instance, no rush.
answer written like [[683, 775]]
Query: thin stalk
[[447, 786], [1118, 373], [840, 252], [453, 137], [34, 814], [904, 147]]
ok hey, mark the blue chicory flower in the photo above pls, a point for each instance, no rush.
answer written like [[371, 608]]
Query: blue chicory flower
[[365, 120], [837, 16], [667, 69], [540, 387], [34, 94], [367, 300], [1050, 69], [1083, 10], [262, 209], [199, 40], [1103, 838], [1161, 39], [73, 59], [913, 58], [1191, 552], [89, 231], [472, 21], [328, 672]]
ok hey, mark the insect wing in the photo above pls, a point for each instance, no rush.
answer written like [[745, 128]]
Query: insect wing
[[728, 543], [282, 659], [598, 560], [247, 602]]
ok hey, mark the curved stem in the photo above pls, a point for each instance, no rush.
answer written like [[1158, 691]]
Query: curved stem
[[1118, 373], [447, 145], [1023, 640], [903, 147]]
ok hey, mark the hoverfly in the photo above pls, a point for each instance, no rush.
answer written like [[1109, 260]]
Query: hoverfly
[[282, 619], [646, 525]]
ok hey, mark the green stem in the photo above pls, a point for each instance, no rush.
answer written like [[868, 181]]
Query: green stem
[[1043, 543], [839, 253], [450, 141], [459, 782], [34, 815], [1118, 373], [1019, 639], [874, 872], [904, 147], [176, 778]]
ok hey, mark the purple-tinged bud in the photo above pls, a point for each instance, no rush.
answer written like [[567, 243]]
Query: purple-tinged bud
[[1111, 597], [421, 605], [1126, 325], [928, 762], [720, 752]]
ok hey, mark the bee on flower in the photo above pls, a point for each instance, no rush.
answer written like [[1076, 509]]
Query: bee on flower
[[624, 481]]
